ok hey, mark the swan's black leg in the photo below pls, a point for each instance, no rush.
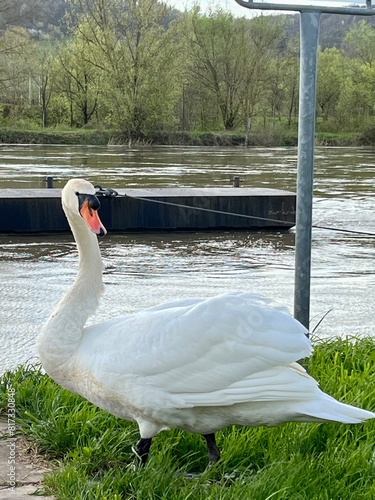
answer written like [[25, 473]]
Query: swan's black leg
[[213, 450], [143, 449]]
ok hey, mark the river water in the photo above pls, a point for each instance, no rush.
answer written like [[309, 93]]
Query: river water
[[146, 269]]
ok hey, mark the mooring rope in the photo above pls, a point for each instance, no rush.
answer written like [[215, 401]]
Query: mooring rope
[[111, 193]]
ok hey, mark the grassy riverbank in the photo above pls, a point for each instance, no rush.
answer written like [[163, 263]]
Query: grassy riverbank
[[294, 461], [111, 137], [266, 138]]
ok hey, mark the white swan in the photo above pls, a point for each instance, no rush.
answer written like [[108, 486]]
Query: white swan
[[195, 364]]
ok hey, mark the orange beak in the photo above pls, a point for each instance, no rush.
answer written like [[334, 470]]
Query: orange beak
[[92, 219]]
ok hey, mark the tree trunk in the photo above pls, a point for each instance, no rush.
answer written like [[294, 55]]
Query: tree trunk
[[247, 133], [43, 98]]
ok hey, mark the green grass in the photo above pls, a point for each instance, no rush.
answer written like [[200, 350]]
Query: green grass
[[293, 461], [261, 138], [338, 138], [54, 136]]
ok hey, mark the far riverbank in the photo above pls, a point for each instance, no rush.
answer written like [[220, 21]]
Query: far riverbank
[[269, 138]]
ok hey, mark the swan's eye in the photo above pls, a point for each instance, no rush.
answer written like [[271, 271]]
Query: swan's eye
[[93, 202], [91, 199]]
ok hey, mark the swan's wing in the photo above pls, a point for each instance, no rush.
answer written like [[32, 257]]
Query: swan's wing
[[282, 383], [192, 351]]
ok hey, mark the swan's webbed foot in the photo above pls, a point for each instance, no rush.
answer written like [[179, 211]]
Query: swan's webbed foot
[[142, 449], [213, 450]]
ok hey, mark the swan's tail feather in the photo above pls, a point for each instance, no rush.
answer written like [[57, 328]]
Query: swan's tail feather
[[329, 409]]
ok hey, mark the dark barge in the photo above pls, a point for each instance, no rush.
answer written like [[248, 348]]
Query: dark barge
[[154, 209]]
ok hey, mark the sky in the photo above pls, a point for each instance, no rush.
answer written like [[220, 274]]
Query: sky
[[229, 5], [239, 11]]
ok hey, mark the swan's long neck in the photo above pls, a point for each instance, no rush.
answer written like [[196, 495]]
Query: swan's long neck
[[61, 335]]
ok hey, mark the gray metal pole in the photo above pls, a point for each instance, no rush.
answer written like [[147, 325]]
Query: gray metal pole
[[353, 8], [305, 165]]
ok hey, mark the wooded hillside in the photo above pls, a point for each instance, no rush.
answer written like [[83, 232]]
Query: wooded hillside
[[46, 15]]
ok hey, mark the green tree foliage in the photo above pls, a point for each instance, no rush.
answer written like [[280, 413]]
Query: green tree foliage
[[331, 79], [133, 47], [15, 46], [43, 74], [140, 67], [360, 81], [217, 43], [289, 75], [360, 43], [78, 80], [261, 38], [229, 60]]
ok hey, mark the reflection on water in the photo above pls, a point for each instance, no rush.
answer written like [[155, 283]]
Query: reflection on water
[[145, 269]]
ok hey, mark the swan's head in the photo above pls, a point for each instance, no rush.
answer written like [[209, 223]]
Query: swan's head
[[79, 200]]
